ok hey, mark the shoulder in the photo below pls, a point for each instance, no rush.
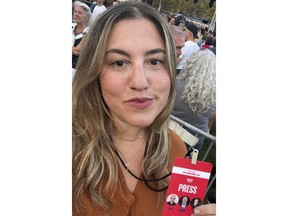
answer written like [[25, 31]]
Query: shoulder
[[103, 7], [86, 30], [74, 25], [174, 137], [189, 43], [194, 45]]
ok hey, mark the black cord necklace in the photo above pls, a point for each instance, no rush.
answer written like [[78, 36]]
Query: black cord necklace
[[143, 179]]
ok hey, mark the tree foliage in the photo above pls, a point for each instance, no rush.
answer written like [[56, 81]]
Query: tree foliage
[[199, 10]]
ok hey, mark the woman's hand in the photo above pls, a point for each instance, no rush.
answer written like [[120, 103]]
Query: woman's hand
[[202, 210], [76, 50]]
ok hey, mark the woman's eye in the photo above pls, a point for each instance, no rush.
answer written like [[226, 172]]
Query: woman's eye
[[119, 63], [155, 62]]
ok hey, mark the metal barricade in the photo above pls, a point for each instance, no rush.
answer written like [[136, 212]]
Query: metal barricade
[[208, 136]]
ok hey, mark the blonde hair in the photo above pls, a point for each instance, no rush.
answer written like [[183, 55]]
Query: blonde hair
[[200, 76], [95, 169]]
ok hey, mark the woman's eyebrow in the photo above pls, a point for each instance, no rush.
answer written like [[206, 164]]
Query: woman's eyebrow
[[154, 51], [149, 52], [119, 51]]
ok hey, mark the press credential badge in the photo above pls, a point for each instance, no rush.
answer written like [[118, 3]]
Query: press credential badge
[[187, 187]]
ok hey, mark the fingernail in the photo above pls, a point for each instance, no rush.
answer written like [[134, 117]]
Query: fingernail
[[196, 211]]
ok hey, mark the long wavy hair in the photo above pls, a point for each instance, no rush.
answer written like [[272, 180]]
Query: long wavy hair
[[95, 167], [200, 77]]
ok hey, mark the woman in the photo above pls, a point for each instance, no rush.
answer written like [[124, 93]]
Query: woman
[[196, 202], [123, 94], [81, 18], [196, 92]]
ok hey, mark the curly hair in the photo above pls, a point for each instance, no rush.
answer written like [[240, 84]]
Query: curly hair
[[200, 76]]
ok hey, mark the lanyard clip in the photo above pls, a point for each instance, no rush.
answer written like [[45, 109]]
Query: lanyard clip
[[193, 155]]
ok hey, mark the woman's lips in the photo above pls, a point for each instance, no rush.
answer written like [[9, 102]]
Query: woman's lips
[[140, 103]]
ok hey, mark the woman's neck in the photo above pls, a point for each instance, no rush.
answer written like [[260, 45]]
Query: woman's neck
[[129, 137], [80, 28], [123, 131], [129, 141]]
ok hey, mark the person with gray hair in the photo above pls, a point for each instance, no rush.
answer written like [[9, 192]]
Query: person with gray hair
[[179, 40], [191, 34], [80, 27], [196, 92]]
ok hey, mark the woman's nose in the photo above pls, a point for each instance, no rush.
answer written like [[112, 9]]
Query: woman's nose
[[139, 79]]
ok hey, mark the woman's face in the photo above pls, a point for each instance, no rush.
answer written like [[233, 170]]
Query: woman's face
[[134, 79], [79, 15]]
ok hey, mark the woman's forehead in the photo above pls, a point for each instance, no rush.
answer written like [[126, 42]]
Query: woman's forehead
[[129, 31]]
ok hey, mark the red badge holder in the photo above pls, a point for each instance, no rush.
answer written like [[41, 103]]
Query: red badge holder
[[187, 187]]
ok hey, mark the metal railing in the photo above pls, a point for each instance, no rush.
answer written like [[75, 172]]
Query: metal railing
[[208, 136]]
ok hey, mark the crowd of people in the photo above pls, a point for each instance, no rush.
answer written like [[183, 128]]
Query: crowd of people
[[125, 88], [204, 31], [196, 76]]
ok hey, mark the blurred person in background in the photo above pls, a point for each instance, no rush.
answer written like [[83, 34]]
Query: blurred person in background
[[171, 20], [191, 34], [98, 9], [80, 27], [196, 92], [179, 40]]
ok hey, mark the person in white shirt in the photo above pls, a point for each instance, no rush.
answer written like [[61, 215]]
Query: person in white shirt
[[99, 9], [190, 46]]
